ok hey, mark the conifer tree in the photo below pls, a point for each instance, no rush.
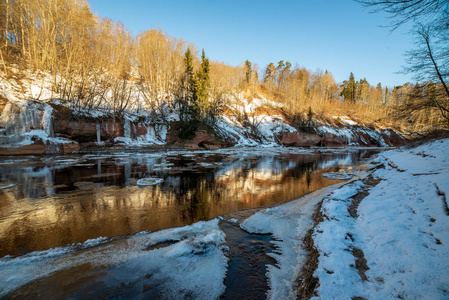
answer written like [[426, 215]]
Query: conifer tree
[[202, 85], [349, 88], [248, 68], [186, 100], [189, 75], [270, 75]]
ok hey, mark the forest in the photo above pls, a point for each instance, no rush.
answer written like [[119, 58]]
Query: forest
[[95, 63]]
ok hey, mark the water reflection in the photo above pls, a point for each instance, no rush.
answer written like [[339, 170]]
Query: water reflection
[[68, 199]]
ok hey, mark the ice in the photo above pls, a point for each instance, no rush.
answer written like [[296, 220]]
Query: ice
[[337, 176], [5, 187], [192, 264], [149, 181]]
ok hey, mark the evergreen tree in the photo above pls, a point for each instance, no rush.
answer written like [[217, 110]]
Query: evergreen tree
[[362, 90], [202, 83], [189, 75], [352, 86], [186, 101], [248, 67], [349, 88], [270, 75]]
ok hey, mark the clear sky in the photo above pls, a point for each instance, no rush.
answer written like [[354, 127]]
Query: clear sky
[[335, 35]]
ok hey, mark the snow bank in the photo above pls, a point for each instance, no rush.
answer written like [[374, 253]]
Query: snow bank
[[402, 229]]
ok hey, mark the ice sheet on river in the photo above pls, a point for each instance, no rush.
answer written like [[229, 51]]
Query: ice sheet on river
[[181, 262]]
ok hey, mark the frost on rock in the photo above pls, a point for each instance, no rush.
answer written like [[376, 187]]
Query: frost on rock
[[186, 262], [23, 122]]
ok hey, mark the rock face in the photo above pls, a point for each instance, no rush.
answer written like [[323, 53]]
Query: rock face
[[206, 140], [42, 125], [332, 140], [300, 139], [392, 138], [34, 149], [85, 130], [364, 139], [40, 147], [203, 140]]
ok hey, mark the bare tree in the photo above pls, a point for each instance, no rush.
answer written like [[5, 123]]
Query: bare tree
[[429, 60]]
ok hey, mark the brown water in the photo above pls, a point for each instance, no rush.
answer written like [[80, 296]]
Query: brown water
[[67, 199]]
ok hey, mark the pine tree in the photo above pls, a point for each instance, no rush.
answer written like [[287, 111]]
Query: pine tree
[[186, 100], [189, 75], [352, 86], [349, 88], [202, 83], [248, 67], [270, 75]]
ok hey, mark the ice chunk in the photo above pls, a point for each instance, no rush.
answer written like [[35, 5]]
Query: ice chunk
[[149, 181], [5, 187], [337, 176]]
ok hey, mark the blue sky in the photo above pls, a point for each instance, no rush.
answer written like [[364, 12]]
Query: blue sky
[[335, 35]]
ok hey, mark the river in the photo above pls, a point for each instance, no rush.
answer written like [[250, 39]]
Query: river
[[53, 201]]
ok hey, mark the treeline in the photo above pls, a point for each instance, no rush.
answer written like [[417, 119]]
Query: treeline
[[95, 62]]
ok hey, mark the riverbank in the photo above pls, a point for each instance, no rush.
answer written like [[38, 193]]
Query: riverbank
[[384, 235]]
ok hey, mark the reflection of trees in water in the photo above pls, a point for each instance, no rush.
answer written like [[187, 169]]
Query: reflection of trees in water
[[112, 204], [31, 182]]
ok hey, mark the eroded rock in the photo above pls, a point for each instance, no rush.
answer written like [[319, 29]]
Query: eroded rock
[[300, 139]]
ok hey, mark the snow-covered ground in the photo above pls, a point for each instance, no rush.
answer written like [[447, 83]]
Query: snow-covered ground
[[401, 227]]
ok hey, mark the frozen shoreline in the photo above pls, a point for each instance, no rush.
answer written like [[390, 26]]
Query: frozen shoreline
[[386, 236], [383, 235]]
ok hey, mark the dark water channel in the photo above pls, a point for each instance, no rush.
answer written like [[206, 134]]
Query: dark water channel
[[55, 201]]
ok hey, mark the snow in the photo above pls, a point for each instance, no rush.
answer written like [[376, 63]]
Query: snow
[[348, 121], [192, 264], [402, 228]]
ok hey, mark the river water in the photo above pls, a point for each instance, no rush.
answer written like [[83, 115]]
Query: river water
[[60, 200], [52, 201]]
